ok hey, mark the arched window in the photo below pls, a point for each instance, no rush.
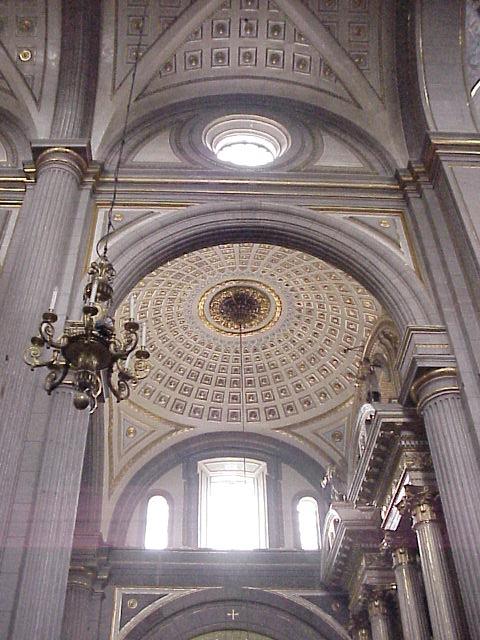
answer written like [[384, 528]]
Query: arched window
[[308, 523], [157, 523], [232, 503]]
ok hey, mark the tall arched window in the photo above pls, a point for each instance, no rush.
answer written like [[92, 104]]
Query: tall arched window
[[308, 523], [157, 523]]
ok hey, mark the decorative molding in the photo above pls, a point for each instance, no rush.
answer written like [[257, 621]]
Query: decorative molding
[[422, 348], [432, 384]]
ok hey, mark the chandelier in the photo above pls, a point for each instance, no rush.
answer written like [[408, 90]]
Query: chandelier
[[89, 356]]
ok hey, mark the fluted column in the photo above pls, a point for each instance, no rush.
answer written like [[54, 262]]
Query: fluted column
[[457, 469], [443, 605], [359, 627], [410, 592], [49, 544], [76, 617], [42, 439], [379, 617], [34, 266]]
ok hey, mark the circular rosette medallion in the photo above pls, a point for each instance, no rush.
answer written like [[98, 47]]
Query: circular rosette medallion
[[235, 305]]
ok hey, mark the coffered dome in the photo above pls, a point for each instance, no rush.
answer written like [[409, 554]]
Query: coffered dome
[[304, 321]]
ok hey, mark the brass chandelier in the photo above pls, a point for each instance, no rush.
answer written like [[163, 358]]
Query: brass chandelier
[[89, 356]]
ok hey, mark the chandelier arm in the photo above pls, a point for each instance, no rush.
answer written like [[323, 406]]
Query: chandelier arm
[[46, 332], [57, 375], [31, 355], [124, 350], [121, 391], [123, 369], [93, 404]]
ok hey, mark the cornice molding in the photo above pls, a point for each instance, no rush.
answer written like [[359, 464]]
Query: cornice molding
[[422, 348]]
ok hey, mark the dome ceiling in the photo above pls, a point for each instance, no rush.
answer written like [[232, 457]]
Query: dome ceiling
[[304, 317]]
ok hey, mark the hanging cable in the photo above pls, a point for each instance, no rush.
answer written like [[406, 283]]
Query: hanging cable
[[110, 225], [242, 404]]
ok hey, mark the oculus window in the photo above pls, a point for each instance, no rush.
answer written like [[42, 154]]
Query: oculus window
[[232, 503], [156, 528], [308, 524], [246, 140]]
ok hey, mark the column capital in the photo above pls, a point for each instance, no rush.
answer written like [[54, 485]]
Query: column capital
[[415, 497], [432, 384], [422, 349], [81, 577], [424, 512], [359, 626], [377, 605], [403, 556], [403, 539], [62, 157]]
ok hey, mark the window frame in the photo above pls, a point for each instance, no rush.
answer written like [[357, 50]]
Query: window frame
[[261, 491]]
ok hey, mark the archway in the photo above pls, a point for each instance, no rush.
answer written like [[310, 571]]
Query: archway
[[267, 613], [143, 245]]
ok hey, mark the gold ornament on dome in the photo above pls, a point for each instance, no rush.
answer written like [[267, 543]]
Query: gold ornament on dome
[[249, 305]]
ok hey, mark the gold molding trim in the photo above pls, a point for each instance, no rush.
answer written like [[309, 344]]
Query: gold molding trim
[[429, 376]]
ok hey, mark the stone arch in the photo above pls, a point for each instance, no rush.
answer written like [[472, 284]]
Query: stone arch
[[155, 238], [15, 148], [276, 615], [211, 445], [433, 92], [145, 127]]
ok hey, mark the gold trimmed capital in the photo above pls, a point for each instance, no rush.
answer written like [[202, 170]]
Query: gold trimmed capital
[[432, 384], [81, 577], [377, 605], [424, 512], [359, 627], [403, 556], [62, 157]]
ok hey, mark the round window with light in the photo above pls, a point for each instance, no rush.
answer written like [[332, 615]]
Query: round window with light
[[246, 140]]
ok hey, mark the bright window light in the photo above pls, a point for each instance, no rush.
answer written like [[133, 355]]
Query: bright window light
[[156, 529], [246, 150], [232, 504], [307, 509], [246, 140]]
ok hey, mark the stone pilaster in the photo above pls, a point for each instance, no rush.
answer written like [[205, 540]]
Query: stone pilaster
[[78, 70], [411, 595], [457, 471], [76, 617], [443, 605]]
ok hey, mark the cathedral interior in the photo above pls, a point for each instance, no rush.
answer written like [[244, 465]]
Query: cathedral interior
[[245, 237]]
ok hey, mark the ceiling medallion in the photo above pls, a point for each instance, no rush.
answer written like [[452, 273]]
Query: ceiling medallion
[[247, 304]]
